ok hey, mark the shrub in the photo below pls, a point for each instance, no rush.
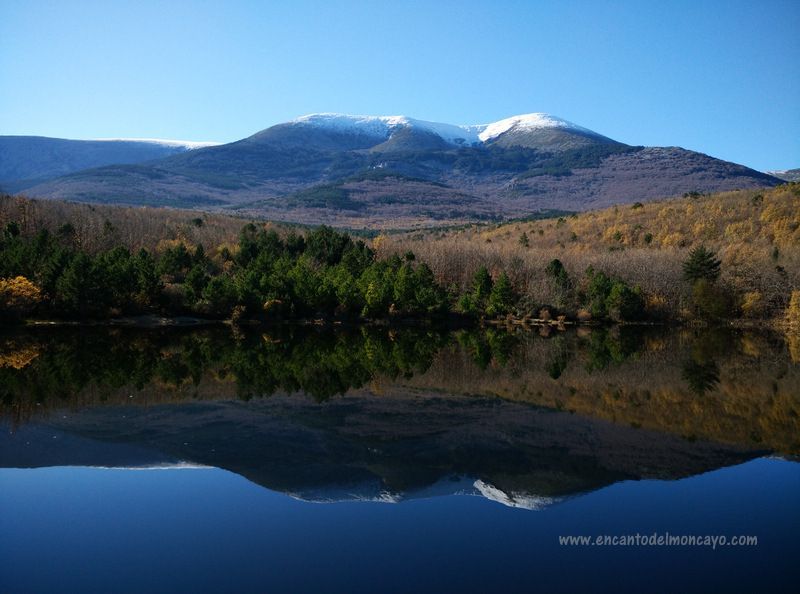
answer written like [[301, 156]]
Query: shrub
[[753, 305], [709, 301], [18, 296], [624, 304]]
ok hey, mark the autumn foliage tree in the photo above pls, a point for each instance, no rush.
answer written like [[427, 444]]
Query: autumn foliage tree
[[18, 297]]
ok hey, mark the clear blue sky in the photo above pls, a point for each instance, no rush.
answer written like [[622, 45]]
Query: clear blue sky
[[719, 77]]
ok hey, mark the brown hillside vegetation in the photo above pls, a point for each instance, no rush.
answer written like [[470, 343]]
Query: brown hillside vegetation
[[756, 235], [98, 227]]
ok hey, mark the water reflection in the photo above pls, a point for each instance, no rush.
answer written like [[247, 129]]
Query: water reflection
[[381, 413]]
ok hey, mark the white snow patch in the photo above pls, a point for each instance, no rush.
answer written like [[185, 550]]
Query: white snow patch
[[385, 126], [527, 121], [188, 144], [164, 466], [521, 500]]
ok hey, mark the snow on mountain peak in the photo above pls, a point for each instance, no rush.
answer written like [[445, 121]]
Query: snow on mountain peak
[[528, 121], [385, 126]]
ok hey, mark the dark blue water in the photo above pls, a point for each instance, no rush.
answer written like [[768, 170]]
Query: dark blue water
[[266, 460], [79, 529]]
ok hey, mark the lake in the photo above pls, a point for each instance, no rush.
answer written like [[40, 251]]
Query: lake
[[304, 459]]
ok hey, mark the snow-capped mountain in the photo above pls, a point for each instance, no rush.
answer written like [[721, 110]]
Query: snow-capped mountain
[[384, 127], [374, 171]]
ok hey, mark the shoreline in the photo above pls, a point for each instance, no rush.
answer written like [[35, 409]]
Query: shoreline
[[454, 322]]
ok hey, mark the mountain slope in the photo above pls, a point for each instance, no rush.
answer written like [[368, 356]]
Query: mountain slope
[[791, 175], [27, 160], [378, 171]]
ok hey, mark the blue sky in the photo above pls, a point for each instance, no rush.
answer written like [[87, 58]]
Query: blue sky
[[719, 77]]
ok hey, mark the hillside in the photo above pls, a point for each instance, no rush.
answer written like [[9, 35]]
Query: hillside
[[755, 233], [579, 265], [29, 160], [398, 172], [787, 174]]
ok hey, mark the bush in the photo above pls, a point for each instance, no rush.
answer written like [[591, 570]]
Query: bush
[[753, 305], [18, 296], [710, 301], [624, 304]]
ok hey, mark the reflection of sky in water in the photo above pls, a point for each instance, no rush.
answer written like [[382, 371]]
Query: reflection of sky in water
[[209, 530], [428, 486]]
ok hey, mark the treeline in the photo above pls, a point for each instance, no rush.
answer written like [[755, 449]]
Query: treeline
[[324, 273], [660, 261]]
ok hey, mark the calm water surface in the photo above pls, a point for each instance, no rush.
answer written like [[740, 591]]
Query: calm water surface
[[295, 460]]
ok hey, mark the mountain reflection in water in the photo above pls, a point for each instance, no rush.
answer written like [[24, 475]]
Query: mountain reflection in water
[[384, 414]]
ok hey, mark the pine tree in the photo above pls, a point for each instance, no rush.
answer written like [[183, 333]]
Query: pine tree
[[481, 286], [702, 264], [501, 299]]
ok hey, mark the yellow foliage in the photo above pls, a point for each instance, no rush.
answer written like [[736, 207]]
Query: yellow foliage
[[19, 357], [18, 295], [794, 346], [378, 242], [752, 304], [704, 229], [740, 230], [793, 313], [166, 244], [673, 240], [750, 347], [655, 303]]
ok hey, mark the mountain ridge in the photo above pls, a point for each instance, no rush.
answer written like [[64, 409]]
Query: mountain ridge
[[397, 171], [27, 160]]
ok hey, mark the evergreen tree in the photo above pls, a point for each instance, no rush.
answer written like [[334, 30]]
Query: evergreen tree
[[555, 270], [196, 281], [481, 287], [75, 287], [501, 298], [624, 304], [148, 283], [702, 264]]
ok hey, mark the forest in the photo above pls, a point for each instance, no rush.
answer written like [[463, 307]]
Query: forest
[[699, 258]]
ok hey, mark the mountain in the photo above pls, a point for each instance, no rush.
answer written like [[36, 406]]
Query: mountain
[[28, 160], [396, 171], [790, 175], [396, 447]]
